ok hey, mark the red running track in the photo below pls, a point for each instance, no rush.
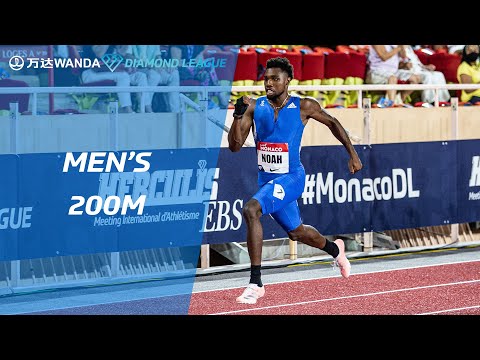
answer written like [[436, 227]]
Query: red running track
[[452, 289]]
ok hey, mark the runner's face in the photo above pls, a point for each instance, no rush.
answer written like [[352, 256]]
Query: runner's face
[[275, 81]]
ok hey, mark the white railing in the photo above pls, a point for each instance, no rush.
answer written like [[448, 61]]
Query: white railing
[[213, 89], [367, 87], [108, 89]]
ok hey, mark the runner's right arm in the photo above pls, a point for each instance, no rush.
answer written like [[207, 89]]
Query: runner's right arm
[[242, 122]]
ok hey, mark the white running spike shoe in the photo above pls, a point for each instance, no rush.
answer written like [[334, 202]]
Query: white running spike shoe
[[341, 260], [251, 294]]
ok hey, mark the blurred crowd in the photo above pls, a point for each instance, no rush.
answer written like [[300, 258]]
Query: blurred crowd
[[313, 65], [393, 64]]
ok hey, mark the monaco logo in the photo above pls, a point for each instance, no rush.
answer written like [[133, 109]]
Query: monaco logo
[[272, 147]]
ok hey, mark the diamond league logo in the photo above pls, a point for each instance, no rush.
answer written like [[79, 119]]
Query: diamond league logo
[[112, 61], [202, 164]]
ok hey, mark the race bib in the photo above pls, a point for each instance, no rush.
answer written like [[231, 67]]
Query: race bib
[[273, 157]]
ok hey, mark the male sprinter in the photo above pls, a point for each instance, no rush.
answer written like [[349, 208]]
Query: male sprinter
[[278, 120]]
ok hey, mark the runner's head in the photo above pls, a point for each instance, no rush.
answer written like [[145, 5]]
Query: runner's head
[[277, 76]]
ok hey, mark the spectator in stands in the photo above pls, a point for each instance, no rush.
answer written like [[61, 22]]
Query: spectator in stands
[[440, 48], [426, 49], [455, 49], [469, 73], [428, 76], [206, 76], [120, 76], [137, 78], [186, 52], [65, 76], [161, 75], [450, 49], [384, 69]]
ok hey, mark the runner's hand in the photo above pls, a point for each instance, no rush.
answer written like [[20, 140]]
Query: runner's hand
[[354, 164], [241, 106]]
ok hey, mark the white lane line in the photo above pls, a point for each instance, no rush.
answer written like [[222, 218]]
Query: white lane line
[[449, 310], [344, 297], [338, 275]]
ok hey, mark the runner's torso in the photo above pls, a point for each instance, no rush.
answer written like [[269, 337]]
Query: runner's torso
[[278, 141]]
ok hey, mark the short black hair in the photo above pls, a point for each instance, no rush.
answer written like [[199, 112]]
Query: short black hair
[[282, 63]]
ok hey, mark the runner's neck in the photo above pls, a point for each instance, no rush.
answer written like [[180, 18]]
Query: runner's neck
[[282, 105]]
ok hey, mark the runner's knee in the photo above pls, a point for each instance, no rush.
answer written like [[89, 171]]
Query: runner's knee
[[252, 210], [297, 234]]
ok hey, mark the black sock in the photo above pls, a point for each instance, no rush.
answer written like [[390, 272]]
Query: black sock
[[331, 248], [255, 276]]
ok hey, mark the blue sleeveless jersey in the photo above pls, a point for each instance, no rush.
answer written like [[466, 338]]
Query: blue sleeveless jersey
[[277, 141]]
